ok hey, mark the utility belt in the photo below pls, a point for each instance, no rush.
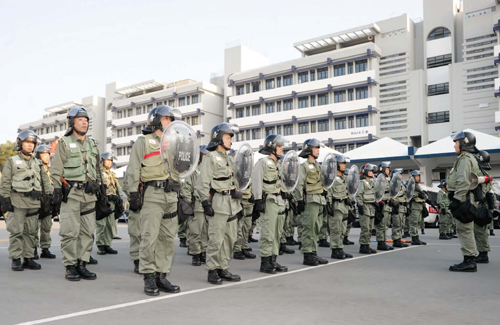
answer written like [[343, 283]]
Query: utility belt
[[167, 185], [33, 194], [170, 215], [270, 182], [88, 187], [233, 192]]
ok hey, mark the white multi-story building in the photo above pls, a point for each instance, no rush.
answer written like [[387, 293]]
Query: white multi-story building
[[127, 108], [54, 124]]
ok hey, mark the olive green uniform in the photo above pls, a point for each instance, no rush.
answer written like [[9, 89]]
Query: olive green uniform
[[105, 226], [399, 215], [481, 232], [158, 219], [76, 161], [312, 217], [459, 183], [266, 184], [133, 224], [444, 212], [21, 182], [386, 211], [216, 176], [245, 222], [338, 221], [44, 225], [365, 198], [417, 205]]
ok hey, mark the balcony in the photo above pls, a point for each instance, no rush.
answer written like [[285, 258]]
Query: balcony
[[137, 119], [124, 140]]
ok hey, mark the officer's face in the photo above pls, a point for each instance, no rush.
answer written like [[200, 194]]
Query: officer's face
[[108, 163], [370, 173], [165, 121], [315, 151], [28, 146], [417, 179], [81, 124], [226, 139], [279, 150], [386, 171], [457, 146], [45, 157], [342, 167]]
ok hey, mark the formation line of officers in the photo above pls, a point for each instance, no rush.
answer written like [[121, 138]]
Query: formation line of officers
[[84, 193]]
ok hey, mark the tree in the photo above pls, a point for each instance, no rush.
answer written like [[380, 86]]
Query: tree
[[6, 152]]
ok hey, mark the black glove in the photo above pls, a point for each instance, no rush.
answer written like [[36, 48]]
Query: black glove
[[259, 206], [207, 208], [301, 206], [112, 198], [360, 210], [251, 199], [57, 197], [454, 204], [7, 205], [135, 201], [391, 203]]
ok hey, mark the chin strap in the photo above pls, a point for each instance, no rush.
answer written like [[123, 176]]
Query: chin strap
[[26, 153]]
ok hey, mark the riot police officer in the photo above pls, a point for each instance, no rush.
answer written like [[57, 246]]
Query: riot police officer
[[384, 168], [398, 211], [417, 206], [221, 203], [365, 198], [20, 194], [156, 198]]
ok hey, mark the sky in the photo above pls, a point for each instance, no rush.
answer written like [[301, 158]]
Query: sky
[[56, 51]]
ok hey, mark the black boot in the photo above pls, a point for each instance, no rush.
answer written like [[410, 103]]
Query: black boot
[[252, 240], [182, 242], [136, 266], [35, 254], [444, 237], [285, 250], [203, 258], [150, 287], [406, 234], [310, 259], [92, 261], [81, 268], [266, 266], [398, 243], [492, 233], [238, 256], [482, 258], [468, 265], [365, 249], [338, 254], [247, 254], [416, 241], [71, 274], [346, 241], [46, 253], [213, 277], [300, 245], [279, 268], [345, 254], [323, 243], [225, 275], [197, 260], [17, 265], [320, 259], [382, 246], [291, 242], [111, 251], [28, 263], [101, 250], [164, 285], [423, 231]]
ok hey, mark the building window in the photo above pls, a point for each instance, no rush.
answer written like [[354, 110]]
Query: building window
[[255, 86], [323, 125], [255, 110], [303, 102], [278, 129], [339, 96], [313, 100], [312, 74], [362, 120], [313, 127], [438, 61], [195, 99], [340, 123], [341, 148], [248, 135], [438, 117], [187, 100], [438, 89], [171, 103], [288, 128], [303, 77], [287, 80], [240, 90], [350, 68], [361, 65], [248, 111], [351, 146], [119, 133], [438, 33], [269, 130], [129, 132], [270, 84], [108, 140], [182, 101], [194, 120], [288, 104], [350, 94], [361, 92], [108, 124], [303, 127], [350, 122], [129, 112], [269, 108], [339, 70], [138, 111], [322, 73], [322, 99], [278, 82], [248, 88], [240, 112], [278, 106], [119, 152], [138, 130], [255, 134]]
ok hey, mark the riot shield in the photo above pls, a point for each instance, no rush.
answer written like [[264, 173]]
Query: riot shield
[[290, 171], [395, 185], [353, 180], [243, 165], [380, 183], [328, 170], [179, 149], [410, 189]]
